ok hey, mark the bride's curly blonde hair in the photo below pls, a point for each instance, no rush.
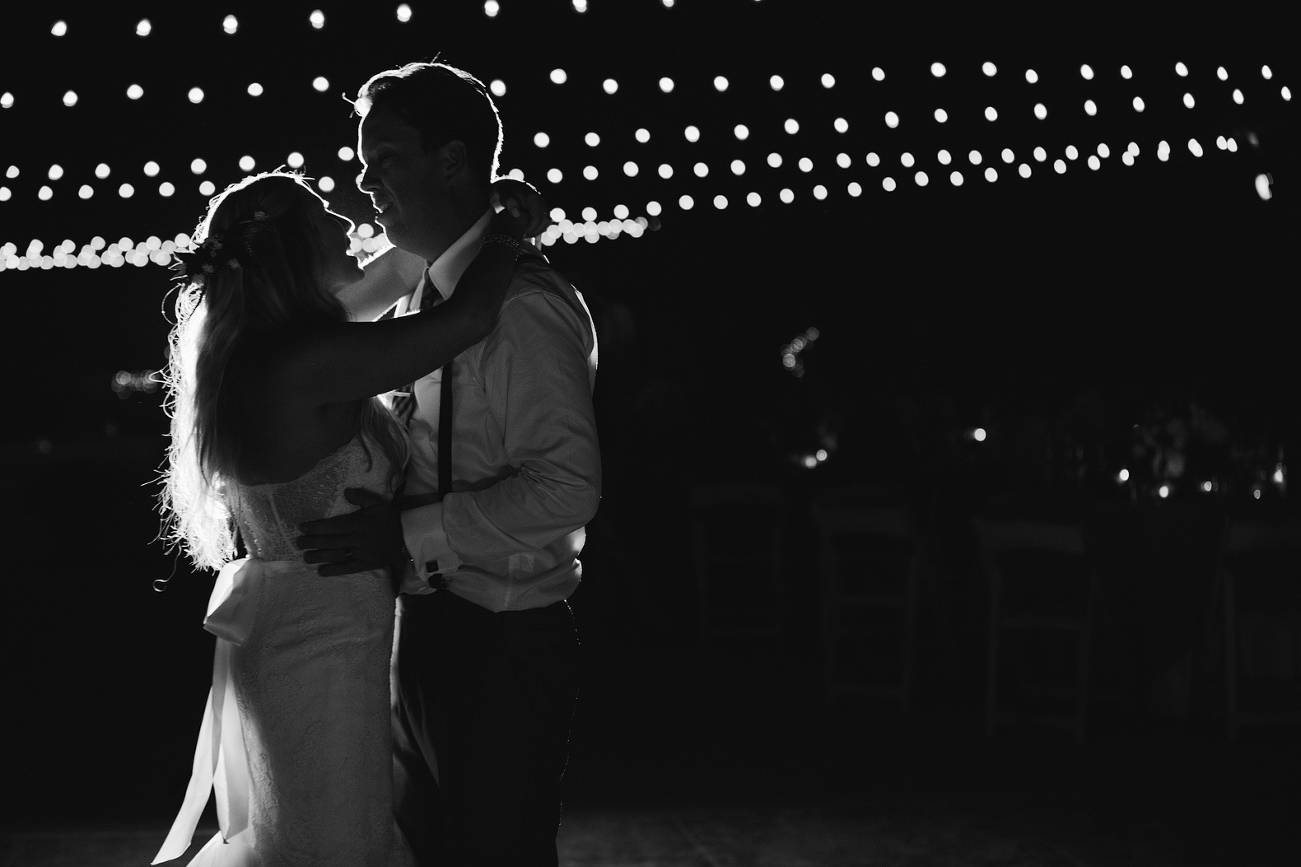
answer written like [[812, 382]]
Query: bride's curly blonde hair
[[255, 273]]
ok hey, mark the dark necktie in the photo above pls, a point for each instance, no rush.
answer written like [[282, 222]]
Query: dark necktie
[[404, 402]]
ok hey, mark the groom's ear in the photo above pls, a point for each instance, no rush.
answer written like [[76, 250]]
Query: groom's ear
[[455, 164]]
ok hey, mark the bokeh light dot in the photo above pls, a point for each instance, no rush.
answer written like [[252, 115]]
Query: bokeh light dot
[[255, 89], [246, 163], [135, 91], [787, 195]]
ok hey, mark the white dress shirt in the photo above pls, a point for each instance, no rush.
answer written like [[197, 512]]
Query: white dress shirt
[[526, 467]]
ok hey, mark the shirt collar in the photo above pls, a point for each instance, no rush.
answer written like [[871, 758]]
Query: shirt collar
[[445, 271]]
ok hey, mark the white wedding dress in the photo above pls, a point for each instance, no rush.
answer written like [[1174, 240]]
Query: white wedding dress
[[295, 740]]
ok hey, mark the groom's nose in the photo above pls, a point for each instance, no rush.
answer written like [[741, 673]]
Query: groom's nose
[[366, 181]]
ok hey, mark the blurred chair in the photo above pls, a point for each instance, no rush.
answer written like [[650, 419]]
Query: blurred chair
[[870, 558], [1260, 577], [739, 535], [1040, 582]]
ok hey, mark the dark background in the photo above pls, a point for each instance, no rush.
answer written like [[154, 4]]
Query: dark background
[[1105, 294]]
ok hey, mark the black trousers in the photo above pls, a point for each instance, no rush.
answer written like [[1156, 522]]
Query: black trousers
[[481, 730]]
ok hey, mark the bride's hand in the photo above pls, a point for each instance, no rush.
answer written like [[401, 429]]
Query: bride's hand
[[523, 201]]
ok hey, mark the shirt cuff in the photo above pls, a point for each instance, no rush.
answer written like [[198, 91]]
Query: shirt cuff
[[431, 554]]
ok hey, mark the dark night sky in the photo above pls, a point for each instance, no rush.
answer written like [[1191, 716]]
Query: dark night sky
[[1133, 282]]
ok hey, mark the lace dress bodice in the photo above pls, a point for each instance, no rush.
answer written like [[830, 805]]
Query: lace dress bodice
[[268, 515]]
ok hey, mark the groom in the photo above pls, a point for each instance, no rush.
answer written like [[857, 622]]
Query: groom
[[487, 653]]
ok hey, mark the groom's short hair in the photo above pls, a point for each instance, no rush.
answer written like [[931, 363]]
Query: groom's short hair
[[445, 104]]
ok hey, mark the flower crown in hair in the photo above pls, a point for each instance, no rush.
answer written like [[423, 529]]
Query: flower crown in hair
[[196, 264]]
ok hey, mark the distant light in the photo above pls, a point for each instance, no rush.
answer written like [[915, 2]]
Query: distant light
[[855, 189], [842, 125], [126, 191], [888, 184], [1133, 148], [1232, 145], [1189, 102], [922, 179], [541, 139], [742, 132], [1090, 107], [143, 27], [498, 87], [1040, 111], [321, 83], [738, 167], [1094, 162], [45, 193], [720, 202], [60, 28], [152, 169], [591, 139], [196, 95], [1163, 151], [346, 154], [1123, 475], [558, 76], [1103, 150], [1181, 69], [787, 196], [666, 84], [1040, 154], [317, 19], [1195, 147], [1031, 76], [6, 100], [873, 160], [1286, 93], [989, 69], [891, 119], [101, 171], [720, 83], [1266, 73], [653, 209], [1023, 170], [135, 91], [1222, 74], [610, 86], [1255, 492], [1164, 491], [991, 174], [941, 115], [776, 82], [1008, 156], [1139, 105], [295, 160], [956, 178], [1221, 142], [1126, 73], [1086, 72], [686, 203], [1059, 166], [701, 170], [255, 89], [753, 200], [991, 114], [70, 99], [806, 165], [1262, 188], [166, 189], [944, 157], [1237, 96], [937, 70], [491, 8], [630, 169], [1072, 153], [842, 160], [55, 172], [326, 184], [775, 160], [404, 13], [791, 126], [642, 135], [975, 157], [978, 434], [907, 160], [665, 171], [555, 176], [86, 191], [878, 74], [590, 173], [828, 80], [246, 163], [589, 214], [230, 24], [207, 188], [580, 6]]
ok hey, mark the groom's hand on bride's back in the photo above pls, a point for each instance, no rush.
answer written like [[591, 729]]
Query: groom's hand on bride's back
[[369, 538]]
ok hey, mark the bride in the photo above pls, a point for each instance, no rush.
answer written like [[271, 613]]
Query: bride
[[273, 416]]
